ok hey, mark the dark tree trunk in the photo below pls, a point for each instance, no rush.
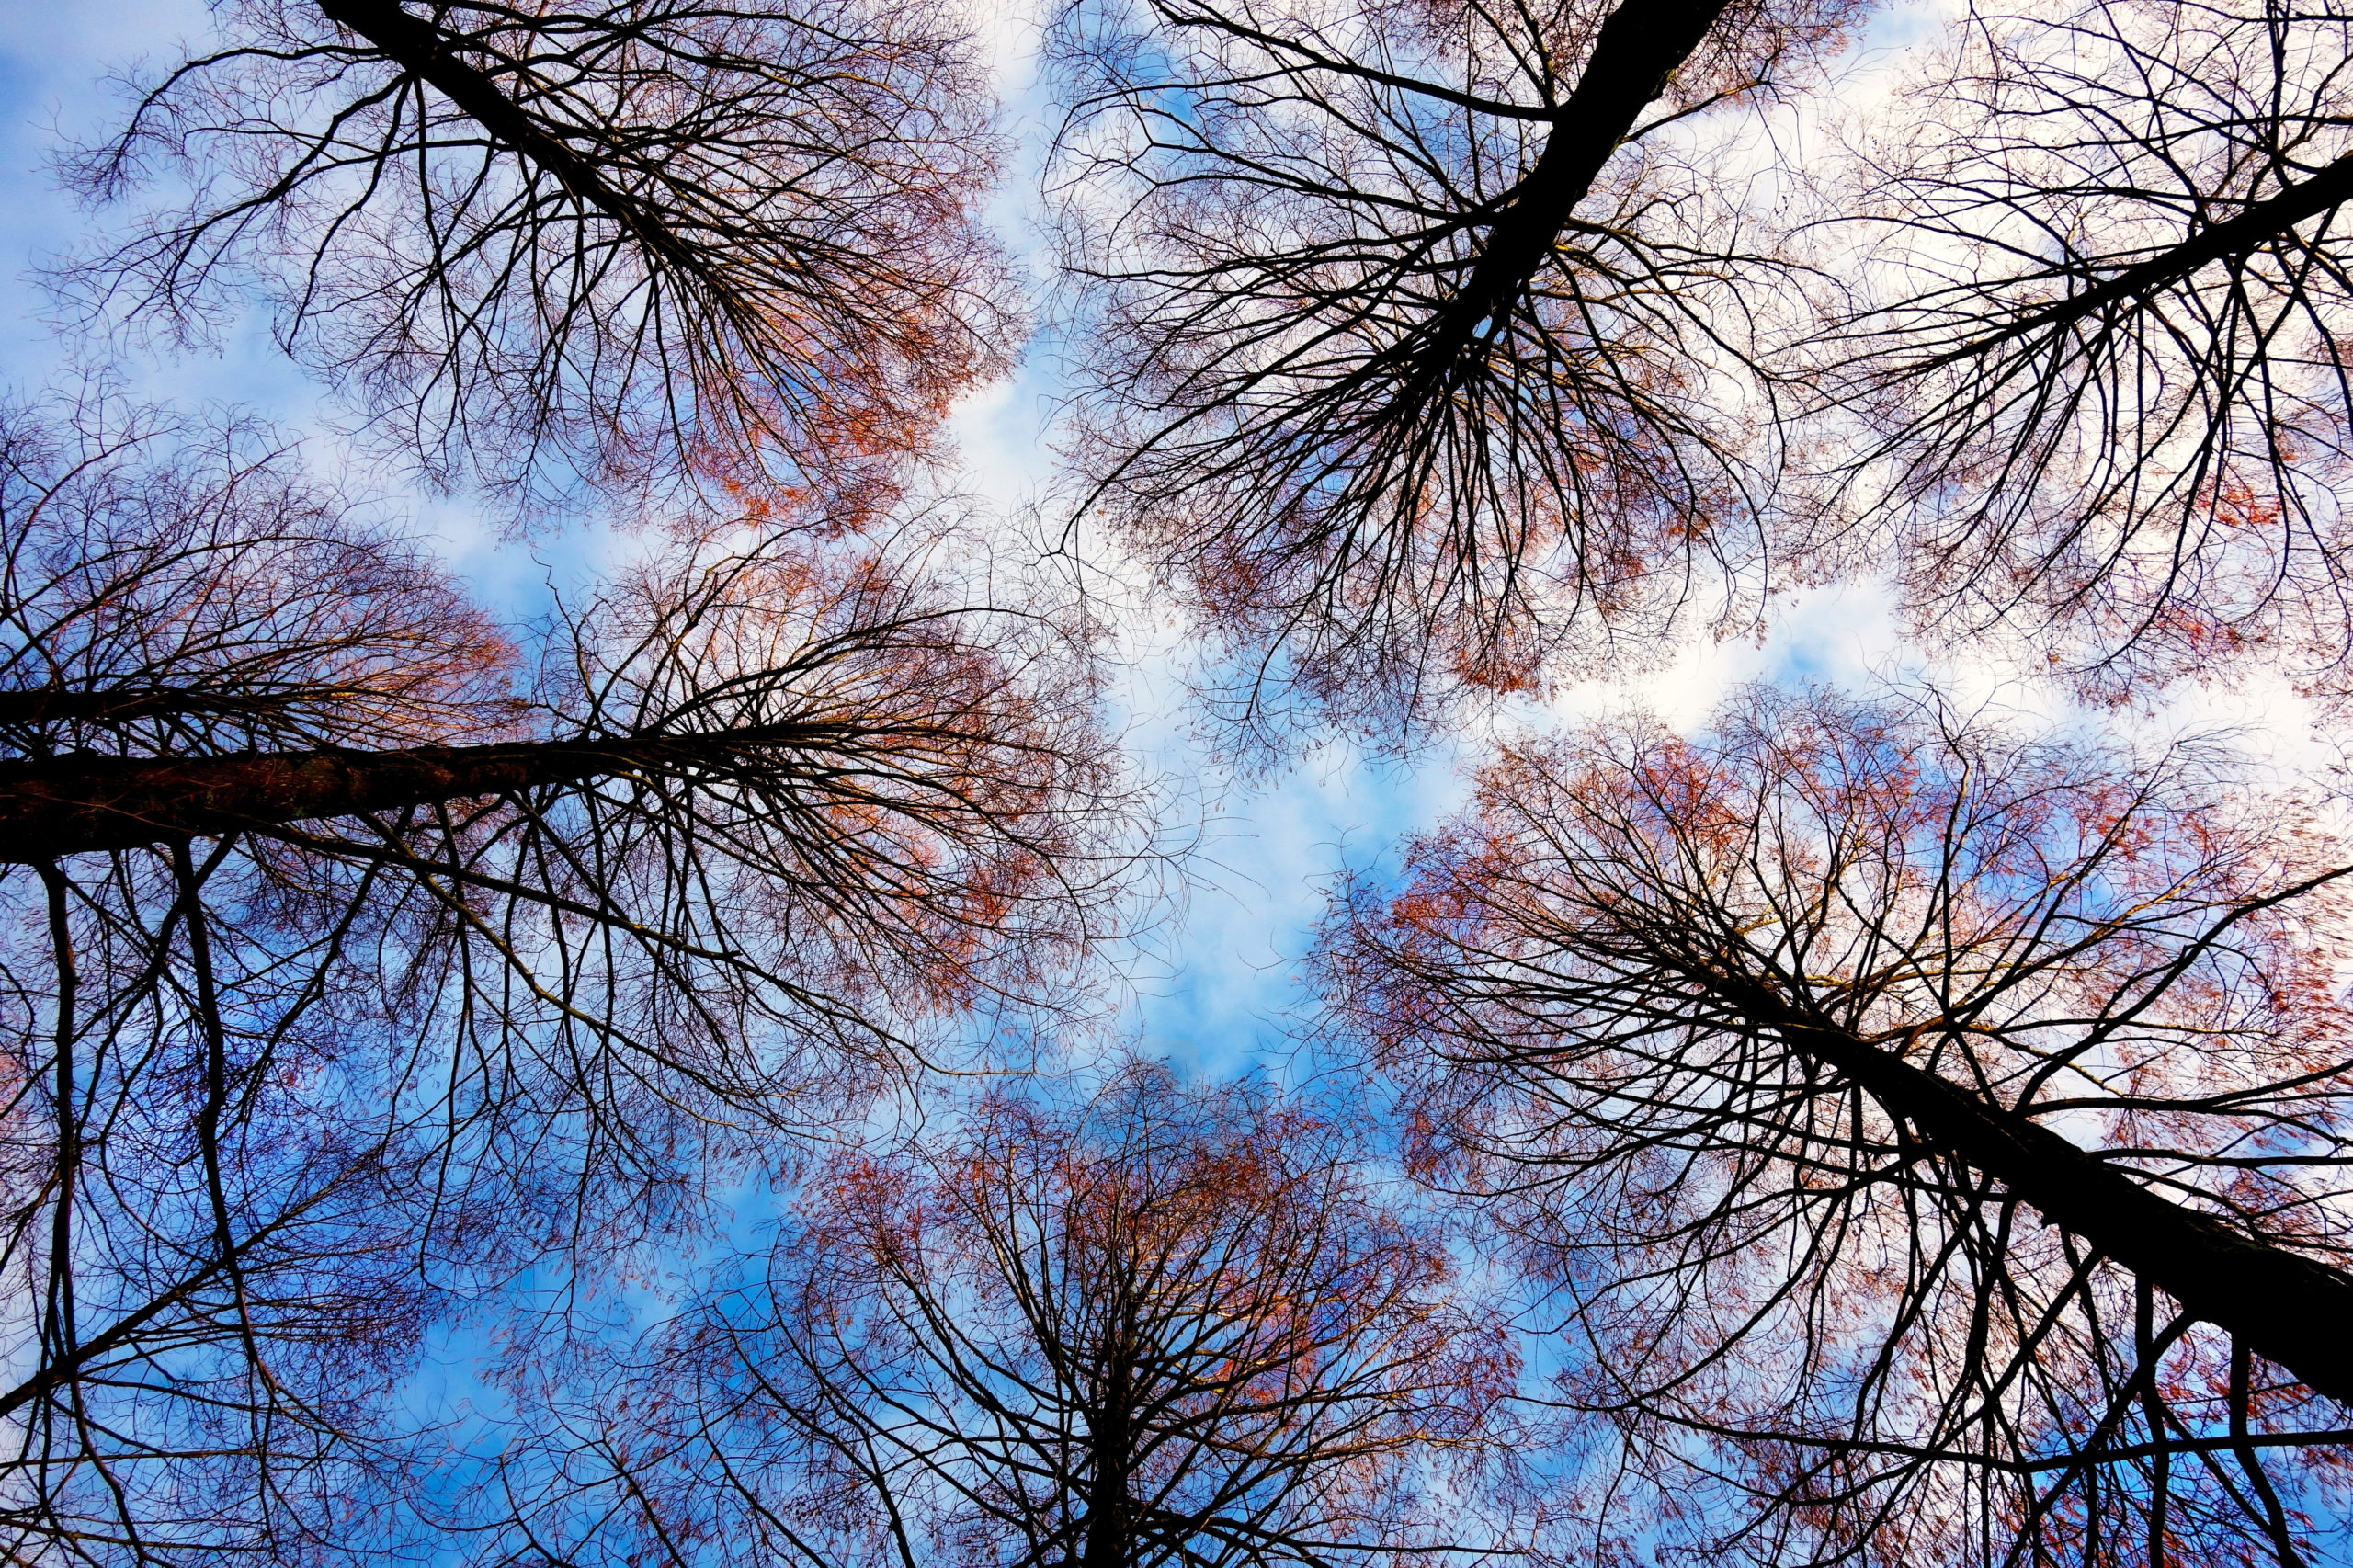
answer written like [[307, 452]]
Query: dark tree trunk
[[60, 705], [2262, 221], [1637, 53], [424, 51], [1108, 1441], [2292, 1310], [72, 804]]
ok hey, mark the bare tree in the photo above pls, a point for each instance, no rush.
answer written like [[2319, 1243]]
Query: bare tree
[[212, 1276], [1161, 1325], [1422, 348], [1935, 1138], [293, 1073], [619, 243], [2109, 395]]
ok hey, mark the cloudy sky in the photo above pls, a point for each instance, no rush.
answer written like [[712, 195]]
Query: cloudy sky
[[1216, 985]]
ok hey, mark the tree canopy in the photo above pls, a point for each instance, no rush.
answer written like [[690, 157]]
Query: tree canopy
[[655, 1064]]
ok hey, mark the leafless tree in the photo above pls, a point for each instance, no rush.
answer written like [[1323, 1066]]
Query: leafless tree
[[1935, 1138], [211, 1297], [1421, 341], [1161, 1325], [325, 1010], [2111, 393], [619, 243]]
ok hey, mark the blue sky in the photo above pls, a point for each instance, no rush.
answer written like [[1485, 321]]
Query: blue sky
[[1215, 988], [1216, 985]]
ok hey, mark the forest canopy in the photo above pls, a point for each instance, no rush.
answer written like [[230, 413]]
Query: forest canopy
[[646, 645]]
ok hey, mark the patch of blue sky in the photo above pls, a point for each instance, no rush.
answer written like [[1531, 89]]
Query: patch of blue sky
[[1232, 997], [61, 74], [61, 69]]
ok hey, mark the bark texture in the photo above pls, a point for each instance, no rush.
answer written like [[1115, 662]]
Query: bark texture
[[75, 804]]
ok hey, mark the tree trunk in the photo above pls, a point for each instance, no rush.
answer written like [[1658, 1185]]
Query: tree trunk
[[1634, 56], [424, 51], [2261, 220], [58, 704], [1108, 1440], [2292, 1309], [76, 803]]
